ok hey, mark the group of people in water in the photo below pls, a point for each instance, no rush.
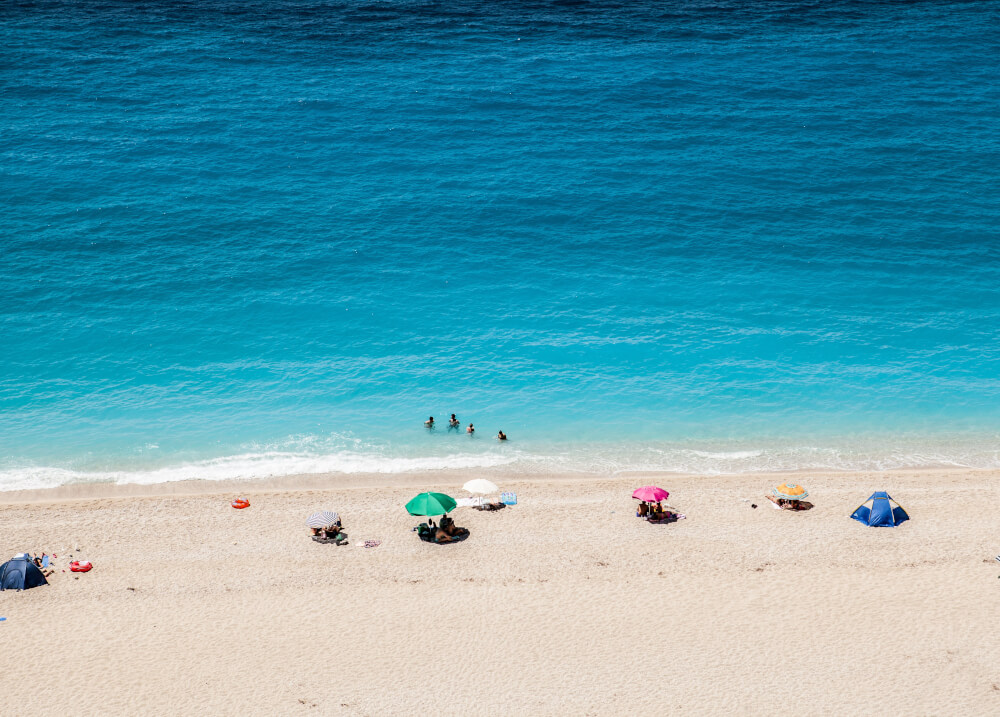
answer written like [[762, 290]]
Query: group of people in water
[[454, 424]]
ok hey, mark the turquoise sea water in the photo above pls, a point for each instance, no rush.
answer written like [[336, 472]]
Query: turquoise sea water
[[254, 238]]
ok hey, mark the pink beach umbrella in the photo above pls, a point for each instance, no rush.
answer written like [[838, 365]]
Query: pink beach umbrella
[[650, 494]]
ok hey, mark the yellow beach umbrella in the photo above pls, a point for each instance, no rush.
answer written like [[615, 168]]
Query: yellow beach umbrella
[[790, 491]]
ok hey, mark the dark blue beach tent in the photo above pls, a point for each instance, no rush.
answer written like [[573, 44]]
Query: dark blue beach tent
[[881, 514], [20, 574]]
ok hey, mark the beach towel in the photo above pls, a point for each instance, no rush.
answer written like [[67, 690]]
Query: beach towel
[[372, 543], [468, 502], [427, 537], [674, 517]]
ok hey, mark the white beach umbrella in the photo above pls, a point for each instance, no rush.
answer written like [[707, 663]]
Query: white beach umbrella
[[322, 519], [482, 487]]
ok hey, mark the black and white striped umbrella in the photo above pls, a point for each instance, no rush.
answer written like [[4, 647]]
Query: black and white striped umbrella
[[322, 519]]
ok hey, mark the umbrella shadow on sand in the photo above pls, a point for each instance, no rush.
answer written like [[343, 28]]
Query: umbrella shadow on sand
[[428, 537]]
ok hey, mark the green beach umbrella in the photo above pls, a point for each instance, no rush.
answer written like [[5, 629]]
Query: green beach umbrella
[[431, 504]]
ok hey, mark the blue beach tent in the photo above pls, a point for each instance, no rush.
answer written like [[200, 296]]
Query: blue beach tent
[[881, 514], [19, 573]]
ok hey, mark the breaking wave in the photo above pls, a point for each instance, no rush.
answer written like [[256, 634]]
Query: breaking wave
[[308, 457]]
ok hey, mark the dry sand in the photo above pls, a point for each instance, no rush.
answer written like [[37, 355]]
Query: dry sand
[[565, 604]]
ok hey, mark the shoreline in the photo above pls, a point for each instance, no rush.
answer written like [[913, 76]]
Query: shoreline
[[451, 479]]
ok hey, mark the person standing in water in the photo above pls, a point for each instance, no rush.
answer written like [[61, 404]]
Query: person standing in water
[[501, 436], [471, 429], [429, 422], [453, 423]]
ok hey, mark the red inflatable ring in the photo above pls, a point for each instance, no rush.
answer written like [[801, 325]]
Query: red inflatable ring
[[241, 503], [78, 566]]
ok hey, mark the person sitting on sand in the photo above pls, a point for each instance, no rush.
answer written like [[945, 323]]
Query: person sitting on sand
[[501, 436], [450, 529], [453, 423], [40, 563], [643, 509], [429, 422], [471, 429], [658, 513]]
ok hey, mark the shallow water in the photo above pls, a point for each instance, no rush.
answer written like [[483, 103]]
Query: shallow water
[[257, 238]]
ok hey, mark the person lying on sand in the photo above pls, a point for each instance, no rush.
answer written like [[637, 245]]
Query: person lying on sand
[[441, 537], [489, 506], [786, 504]]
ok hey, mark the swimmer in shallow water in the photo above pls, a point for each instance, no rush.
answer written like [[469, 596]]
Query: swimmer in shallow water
[[429, 422], [453, 423], [471, 429], [501, 436]]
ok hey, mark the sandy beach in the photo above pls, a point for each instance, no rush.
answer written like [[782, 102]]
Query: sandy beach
[[564, 604]]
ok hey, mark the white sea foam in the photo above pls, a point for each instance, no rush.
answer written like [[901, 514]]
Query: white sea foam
[[313, 456], [246, 466]]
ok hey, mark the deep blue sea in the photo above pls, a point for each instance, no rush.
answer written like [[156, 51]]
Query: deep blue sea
[[250, 238]]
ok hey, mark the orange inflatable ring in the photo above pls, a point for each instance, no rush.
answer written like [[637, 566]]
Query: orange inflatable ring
[[81, 567], [241, 503]]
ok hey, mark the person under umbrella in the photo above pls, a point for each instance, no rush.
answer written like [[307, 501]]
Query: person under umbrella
[[790, 497], [324, 524], [431, 504]]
